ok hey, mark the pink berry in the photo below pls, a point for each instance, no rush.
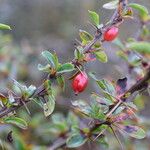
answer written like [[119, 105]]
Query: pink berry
[[80, 82], [111, 34]]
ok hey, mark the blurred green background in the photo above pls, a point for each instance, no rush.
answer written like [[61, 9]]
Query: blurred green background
[[39, 25]]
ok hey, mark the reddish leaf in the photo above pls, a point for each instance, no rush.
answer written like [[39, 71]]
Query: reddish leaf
[[121, 86]]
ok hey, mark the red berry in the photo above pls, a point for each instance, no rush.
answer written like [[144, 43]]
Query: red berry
[[111, 34], [80, 82]]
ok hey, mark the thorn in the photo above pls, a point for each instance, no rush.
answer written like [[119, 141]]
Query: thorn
[[26, 107], [99, 134], [117, 138]]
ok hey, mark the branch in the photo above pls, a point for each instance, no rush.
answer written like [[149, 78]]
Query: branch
[[141, 84], [115, 20], [6, 110]]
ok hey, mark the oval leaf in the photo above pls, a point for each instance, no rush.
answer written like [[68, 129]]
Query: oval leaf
[[61, 82], [133, 131], [143, 11], [111, 5], [85, 36], [4, 27], [49, 106], [141, 47], [101, 56], [49, 57], [75, 140], [107, 86], [16, 121], [94, 17], [68, 67]]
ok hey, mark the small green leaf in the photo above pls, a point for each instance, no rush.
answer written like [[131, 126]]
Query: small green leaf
[[23, 89], [61, 82], [101, 56], [106, 86], [67, 67], [49, 106], [94, 17], [4, 27], [96, 111], [56, 62], [101, 100], [16, 121], [44, 68], [111, 5], [82, 107], [49, 57], [75, 140], [47, 86], [78, 53], [143, 11], [31, 89], [85, 36], [141, 47], [133, 131]]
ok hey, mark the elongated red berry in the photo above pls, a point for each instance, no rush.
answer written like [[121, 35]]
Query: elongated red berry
[[80, 82], [111, 34]]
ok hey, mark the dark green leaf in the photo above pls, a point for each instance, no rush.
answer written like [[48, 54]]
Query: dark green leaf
[[101, 100], [75, 140], [16, 121], [50, 58], [82, 107], [68, 67], [94, 17], [96, 111], [106, 86]]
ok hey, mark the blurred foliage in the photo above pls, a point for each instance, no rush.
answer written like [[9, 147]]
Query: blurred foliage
[[18, 61]]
